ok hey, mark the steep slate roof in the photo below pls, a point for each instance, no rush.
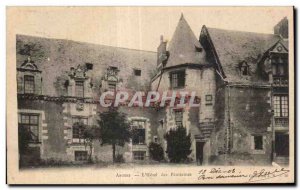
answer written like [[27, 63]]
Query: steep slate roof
[[233, 47], [60, 55], [183, 45]]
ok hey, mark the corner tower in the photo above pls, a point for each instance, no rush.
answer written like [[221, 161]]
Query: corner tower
[[182, 66]]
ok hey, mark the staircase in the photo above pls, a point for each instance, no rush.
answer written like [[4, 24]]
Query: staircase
[[206, 130]]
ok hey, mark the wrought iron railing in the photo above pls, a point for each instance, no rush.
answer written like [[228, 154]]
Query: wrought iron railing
[[280, 81], [281, 121]]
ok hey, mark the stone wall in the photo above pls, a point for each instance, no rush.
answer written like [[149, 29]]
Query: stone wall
[[53, 144], [247, 112]]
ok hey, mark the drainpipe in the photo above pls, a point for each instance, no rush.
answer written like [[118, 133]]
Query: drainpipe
[[229, 122], [273, 154]]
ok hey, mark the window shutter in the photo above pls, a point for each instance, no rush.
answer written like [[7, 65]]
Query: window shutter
[[252, 142]]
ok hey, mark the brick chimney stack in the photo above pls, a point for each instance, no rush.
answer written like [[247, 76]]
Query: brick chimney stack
[[282, 28], [162, 52]]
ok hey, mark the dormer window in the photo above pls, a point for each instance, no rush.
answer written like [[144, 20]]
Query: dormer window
[[79, 89], [112, 85], [79, 83], [198, 49], [244, 68], [29, 79], [112, 71], [111, 79], [28, 84]]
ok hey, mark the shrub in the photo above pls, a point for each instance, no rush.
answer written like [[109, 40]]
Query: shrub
[[178, 144], [119, 158], [156, 151]]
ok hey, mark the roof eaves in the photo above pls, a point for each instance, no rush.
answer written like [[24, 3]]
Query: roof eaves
[[214, 51]]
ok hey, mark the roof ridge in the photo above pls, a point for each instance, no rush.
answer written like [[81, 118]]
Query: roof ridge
[[82, 42], [240, 31]]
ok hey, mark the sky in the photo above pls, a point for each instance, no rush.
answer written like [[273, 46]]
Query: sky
[[136, 27]]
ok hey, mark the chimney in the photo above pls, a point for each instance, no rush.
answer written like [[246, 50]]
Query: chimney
[[282, 28], [162, 51]]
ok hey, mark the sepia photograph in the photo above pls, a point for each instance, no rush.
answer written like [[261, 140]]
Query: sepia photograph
[[150, 95]]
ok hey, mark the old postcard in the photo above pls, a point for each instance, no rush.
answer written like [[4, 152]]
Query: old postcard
[[150, 95]]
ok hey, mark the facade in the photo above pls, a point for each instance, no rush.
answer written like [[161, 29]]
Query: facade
[[240, 78]]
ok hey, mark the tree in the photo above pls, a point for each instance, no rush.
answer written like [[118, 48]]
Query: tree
[[178, 144], [156, 151], [114, 129], [88, 134]]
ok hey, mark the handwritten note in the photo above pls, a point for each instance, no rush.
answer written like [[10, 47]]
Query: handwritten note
[[255, 176]]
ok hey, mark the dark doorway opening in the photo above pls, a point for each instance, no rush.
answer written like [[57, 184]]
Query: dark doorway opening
[[282, 144], [199, 152]]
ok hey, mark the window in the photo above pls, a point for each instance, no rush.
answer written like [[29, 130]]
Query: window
[[139, 155], [79, 88], [279, 70], [30, 123], [28, 84], [80, 155], [178, 118], [137, 72], [177, 79], [112, 85], [279, 66], [208, 99], [257, 142], [244, 68], [78, 131], [112, 71], [155, 139], [139, 132], [161, 123], [281, 106]]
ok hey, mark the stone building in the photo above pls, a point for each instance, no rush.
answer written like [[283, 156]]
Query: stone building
[[240, 78]]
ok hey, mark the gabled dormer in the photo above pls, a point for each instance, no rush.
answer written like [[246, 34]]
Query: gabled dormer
[[280, 47], [275, 63], [79, 83], [29, 78], [243, 68], [110, 79], [279, 61]]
